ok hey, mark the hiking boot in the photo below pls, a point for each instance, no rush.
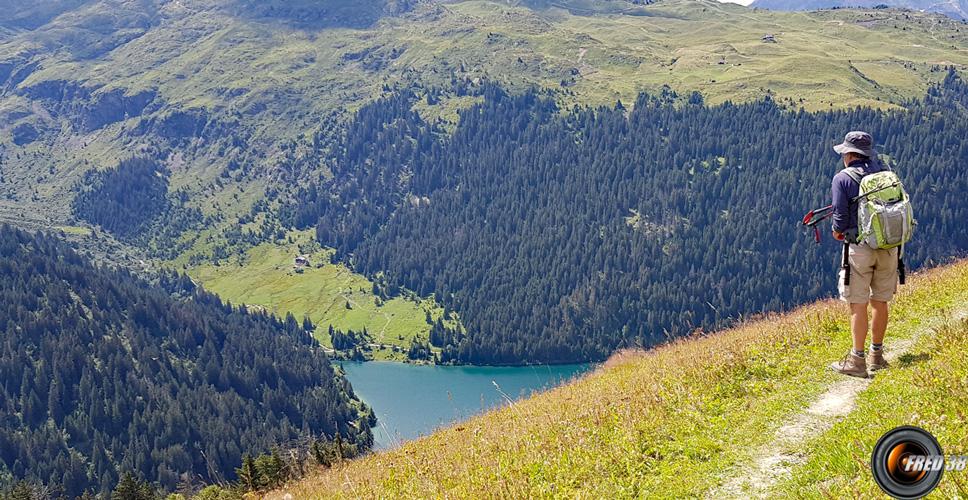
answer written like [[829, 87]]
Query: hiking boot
[[876, 361], [852, 365]]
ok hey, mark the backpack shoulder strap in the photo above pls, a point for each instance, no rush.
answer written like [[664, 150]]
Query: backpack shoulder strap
[[855, 173]]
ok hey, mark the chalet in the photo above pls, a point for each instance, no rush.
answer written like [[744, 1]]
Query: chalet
[[300, 262]]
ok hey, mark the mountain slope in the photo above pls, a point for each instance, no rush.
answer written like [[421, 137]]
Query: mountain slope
[[956, 9], [243, 103], [233, 100], [102, 373], [680, 420], [560, 236]]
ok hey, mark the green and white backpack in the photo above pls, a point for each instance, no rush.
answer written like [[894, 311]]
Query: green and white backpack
[[885, 218]]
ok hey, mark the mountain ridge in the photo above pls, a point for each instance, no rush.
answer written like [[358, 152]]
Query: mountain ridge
[[956, 9]]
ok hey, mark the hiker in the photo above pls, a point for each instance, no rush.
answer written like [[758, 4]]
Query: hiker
[[869, 274]]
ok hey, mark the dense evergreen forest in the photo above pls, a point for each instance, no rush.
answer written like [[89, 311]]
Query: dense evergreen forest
[[102, 374], [559, 236], [132, 201], [124, 199]]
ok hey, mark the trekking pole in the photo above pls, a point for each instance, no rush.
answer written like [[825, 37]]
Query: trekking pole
[[845, 265], [901, 272], [816, 216], [865, 195]]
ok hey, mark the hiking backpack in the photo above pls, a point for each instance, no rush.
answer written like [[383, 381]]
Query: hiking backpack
[[885, 218]]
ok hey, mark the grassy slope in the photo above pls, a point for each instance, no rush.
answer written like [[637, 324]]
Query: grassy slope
[[666, 422], [822, 57], [927, 388], [264, 277]]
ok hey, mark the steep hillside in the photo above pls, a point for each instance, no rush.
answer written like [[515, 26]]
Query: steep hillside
[[752, 410], [560, 236], [102, 374], [236, 98], [957, 9], [241, 104]]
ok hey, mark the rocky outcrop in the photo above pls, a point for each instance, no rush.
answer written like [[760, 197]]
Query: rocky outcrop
[[19, 71], [55, 91], [24, 133], [955, 9], [319, 14], [109, 107], [6, 69], [181, 124], [87, 108], [90, 108]]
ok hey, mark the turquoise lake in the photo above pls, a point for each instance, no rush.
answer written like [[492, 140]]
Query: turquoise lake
[[412, 400]]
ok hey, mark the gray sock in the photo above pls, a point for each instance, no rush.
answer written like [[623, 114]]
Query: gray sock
[[857, 353], [877, 347]]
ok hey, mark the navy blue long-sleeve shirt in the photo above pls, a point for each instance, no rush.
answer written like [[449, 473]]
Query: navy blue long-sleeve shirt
[[843, 189]]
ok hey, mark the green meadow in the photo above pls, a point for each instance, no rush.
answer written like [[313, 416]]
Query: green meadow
[[265, 277]]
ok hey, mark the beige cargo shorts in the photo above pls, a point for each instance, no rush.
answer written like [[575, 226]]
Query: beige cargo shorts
[[873, 275]]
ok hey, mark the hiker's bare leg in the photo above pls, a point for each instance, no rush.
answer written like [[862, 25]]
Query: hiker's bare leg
[[878, 322], [858, 325]]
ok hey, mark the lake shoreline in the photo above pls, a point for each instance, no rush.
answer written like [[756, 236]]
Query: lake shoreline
[[411, 400]]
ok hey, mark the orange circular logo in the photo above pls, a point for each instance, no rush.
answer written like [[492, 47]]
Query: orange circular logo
[[907, 462]]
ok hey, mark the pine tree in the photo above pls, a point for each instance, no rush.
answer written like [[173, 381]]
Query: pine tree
[[649, 218], [22, 490], [131, 488], [248, 474], [55, 400], [271, 470]]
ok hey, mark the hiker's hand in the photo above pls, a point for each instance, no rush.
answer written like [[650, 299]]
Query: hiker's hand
[[839, 236]]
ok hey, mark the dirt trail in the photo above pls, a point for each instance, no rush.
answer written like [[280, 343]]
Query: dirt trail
[[380, 336], [774, 461]]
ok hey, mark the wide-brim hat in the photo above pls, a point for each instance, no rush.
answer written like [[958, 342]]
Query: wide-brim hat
[[856, 142]]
